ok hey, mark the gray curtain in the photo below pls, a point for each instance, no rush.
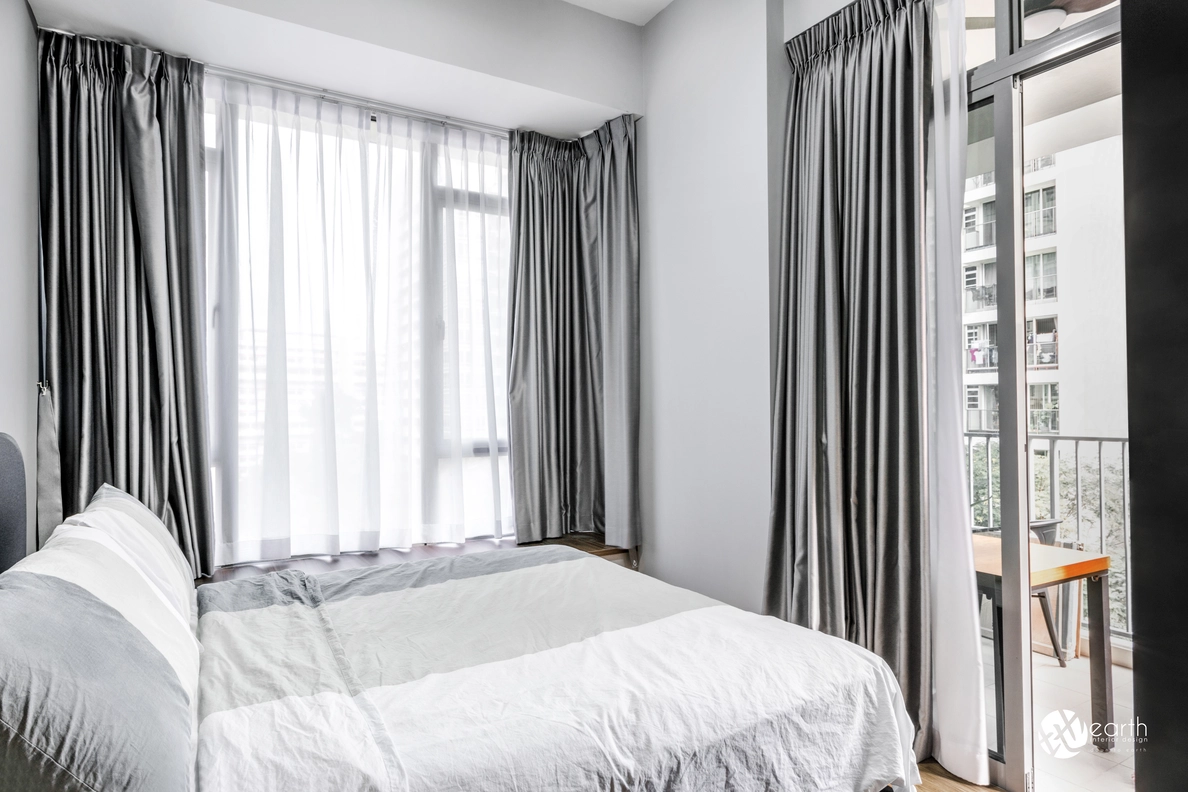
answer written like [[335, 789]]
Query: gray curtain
[[573, 363], [849, 533], [123, 272]]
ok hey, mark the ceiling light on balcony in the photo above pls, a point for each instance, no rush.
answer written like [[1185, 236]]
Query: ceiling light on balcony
[[1043, 23]]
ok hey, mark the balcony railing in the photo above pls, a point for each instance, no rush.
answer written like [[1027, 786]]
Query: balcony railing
[[981, 420], [1042, 354], [1043, 422], [979, 236], [981, 358], [1039, 163], [1082, 481], [981, 298], [981, 180], [1039, 222], [1041, 288], [1040, 422]]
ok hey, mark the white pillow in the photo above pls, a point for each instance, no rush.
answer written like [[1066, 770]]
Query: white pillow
[[114, 719], [145, 542]]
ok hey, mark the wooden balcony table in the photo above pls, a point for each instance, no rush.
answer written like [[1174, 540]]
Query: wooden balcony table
[[1052, 566]]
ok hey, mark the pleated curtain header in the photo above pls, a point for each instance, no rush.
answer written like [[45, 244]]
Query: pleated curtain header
[[538, 146], [94, 59], [848, 24]]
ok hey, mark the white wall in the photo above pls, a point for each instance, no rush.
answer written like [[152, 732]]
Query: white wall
[[549, 44], [706, 173], [537, 64], [1091, 282], [18, 232], [800, 15]]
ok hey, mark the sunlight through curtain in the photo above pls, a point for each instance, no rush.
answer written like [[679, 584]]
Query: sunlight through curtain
[[357, 300]]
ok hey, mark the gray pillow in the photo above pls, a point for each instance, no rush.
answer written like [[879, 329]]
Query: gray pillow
[[98, 670]]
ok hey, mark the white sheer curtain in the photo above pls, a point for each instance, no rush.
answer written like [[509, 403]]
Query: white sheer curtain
[[959, 699], [357, 299]]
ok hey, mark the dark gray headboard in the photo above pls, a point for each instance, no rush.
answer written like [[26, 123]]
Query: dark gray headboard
[[12, 503]]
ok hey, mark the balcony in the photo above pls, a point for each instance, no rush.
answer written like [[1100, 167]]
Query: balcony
[[981, 180], [1043, 422], [979, 236], [1082, 481], [1043, 355], [1039, 355], [1040, 422], [1041, 288], [981, 298], [981, 420], [981, 358], [1039, 222], [1081, 484], [1039, 163]]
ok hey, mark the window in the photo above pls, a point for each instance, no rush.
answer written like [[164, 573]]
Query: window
[[971, 276], [1039, 212], [977, 334], [1044, 407], [978, 235], [973, 334], [358, 267], [973, 397], [1041, 276], [1045, 396]]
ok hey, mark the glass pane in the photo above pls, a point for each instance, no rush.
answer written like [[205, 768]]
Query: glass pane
[[979, 32], [1044, 17], [1075, 308], [979, 283]]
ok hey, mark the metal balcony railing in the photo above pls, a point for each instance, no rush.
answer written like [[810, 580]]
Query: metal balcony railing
[[1043, 422], [1041, 288], [1039, 163], [1040, 355], [979, 236], [1082, 481], [981, 298], [1039, 222], [981, 180]]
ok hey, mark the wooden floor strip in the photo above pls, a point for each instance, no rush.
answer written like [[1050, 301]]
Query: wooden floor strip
[[935, 778]]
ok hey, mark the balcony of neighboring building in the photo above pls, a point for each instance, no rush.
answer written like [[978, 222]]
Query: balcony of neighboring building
[[1041, 350], [979, 235]]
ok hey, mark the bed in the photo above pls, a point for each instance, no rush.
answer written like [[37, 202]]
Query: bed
[[529, 669]]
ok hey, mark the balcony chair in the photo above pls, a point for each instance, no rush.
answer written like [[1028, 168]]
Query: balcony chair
[[1045, 532]]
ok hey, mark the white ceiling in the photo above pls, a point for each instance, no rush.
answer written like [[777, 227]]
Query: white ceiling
[[515, 64], [1074, 104], [637, 12]]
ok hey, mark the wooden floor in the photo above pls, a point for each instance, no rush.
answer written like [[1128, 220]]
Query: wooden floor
[[936, 779]]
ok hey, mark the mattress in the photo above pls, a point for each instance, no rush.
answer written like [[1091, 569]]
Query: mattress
[[532, 669]]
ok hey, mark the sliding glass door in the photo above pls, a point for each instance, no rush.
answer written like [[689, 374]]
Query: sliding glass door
[[1044, 374], [1075, 326]]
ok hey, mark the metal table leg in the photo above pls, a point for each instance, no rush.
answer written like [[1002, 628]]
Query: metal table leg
[[1101, 678]]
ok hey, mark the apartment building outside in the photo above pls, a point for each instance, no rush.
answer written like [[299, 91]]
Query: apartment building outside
[[1075, 344]]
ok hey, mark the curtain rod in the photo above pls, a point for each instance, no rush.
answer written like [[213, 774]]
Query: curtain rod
[[361, 101], [325, 93]]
